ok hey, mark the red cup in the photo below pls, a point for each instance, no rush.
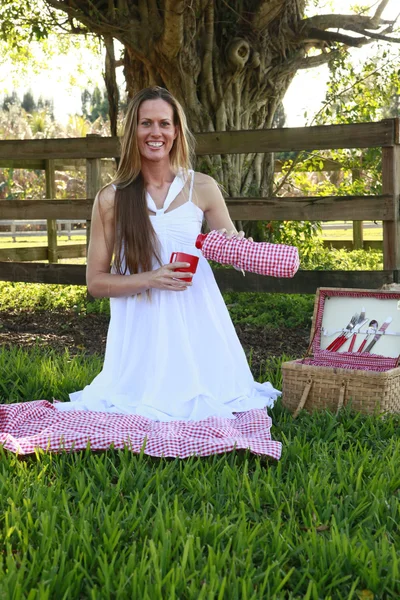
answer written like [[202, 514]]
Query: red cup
[[187, 258]]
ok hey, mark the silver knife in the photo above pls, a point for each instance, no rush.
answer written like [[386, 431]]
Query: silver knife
[[378, 334]]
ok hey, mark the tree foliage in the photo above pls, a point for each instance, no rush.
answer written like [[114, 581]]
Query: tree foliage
[[356, 92]]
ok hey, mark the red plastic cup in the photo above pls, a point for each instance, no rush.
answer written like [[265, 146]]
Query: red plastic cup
[[187, 258]]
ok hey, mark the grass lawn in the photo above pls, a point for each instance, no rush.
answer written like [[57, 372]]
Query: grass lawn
[[32, 242], [347, 234], [322, 523], [26, 242]]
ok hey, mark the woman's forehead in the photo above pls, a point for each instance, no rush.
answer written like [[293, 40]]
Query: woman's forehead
[[156, 109]]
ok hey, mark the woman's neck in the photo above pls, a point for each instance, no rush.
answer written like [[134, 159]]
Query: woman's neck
[[157, 174]]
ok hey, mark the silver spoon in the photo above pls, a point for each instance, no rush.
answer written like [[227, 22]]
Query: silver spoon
[[372, 329]]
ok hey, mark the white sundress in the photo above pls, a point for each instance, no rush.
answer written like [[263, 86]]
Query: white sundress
[[177, 356]]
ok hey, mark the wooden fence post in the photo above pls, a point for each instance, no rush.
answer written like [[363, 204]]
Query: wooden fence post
[[93, 184], [51, 223], [391, 185], [358, 238]]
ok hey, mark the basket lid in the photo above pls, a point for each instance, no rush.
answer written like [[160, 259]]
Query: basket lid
[[333, 311]]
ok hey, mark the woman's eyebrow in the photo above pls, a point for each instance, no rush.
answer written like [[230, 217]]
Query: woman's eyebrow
[[161, 119]]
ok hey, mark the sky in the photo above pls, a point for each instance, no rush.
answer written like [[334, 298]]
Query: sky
[[307, 90], [66, 76]]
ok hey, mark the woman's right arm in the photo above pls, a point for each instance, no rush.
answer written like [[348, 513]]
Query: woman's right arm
[[103, 284]]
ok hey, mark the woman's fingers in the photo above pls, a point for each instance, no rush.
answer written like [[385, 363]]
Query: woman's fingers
[[232, 233], [177, 265]]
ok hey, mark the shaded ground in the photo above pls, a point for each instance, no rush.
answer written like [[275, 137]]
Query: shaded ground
[[87, 333]]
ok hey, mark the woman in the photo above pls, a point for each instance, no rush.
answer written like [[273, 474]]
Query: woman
[[172, 352]]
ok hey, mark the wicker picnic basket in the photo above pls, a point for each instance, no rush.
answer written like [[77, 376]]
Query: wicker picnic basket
[[328, 380]]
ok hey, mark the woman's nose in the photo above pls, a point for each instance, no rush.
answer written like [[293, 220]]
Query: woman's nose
[[155, 129]]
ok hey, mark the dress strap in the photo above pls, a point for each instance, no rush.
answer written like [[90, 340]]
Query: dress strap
[[114, 186], [191, 186]]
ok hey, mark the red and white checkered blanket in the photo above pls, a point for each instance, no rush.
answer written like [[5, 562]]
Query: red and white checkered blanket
[[275, 260], [37, 424]]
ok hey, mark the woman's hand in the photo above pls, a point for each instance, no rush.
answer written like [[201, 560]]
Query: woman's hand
[[233, 233], [166, 278]]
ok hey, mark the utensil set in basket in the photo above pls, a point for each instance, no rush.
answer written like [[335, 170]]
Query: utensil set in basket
[[354, 328]]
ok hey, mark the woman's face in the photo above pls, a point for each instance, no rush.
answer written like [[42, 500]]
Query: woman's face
[[156, 131]]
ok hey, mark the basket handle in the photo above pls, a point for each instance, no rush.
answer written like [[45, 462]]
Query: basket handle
[[303, 398], [341, 396], [306, 392]]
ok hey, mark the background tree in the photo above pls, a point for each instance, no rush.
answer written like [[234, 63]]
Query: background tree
[[94, 104], [28, 102], [229, 63]]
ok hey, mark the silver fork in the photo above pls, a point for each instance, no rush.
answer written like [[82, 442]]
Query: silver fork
[[348, 329], [361, 320]]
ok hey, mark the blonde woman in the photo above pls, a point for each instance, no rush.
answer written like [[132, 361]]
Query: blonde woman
[[172, 352]]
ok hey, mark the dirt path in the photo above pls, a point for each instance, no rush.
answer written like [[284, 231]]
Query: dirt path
[[87, 333]]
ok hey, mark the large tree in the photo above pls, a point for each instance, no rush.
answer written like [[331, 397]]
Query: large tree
[[229, 62]]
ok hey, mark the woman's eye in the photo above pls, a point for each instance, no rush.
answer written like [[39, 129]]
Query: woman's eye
[[145, 123]]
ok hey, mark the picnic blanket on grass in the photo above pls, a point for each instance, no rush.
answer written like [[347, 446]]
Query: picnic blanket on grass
[[25, 426]]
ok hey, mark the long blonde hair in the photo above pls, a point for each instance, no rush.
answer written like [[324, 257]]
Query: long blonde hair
[[135, 239]]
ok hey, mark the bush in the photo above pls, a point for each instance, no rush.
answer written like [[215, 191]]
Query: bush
[[335, 259]]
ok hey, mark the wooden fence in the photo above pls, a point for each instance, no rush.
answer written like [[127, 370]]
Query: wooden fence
[[384, 207]]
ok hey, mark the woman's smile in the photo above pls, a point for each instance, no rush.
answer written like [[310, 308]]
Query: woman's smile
[[155, 145]]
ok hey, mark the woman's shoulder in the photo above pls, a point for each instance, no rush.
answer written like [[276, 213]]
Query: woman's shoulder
[[104, 202], [106, 196], [203, 180]]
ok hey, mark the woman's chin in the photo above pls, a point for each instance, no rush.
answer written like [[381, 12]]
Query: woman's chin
[[155, 156]]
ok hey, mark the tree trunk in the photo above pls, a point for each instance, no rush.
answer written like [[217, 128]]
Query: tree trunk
[[227, 74]]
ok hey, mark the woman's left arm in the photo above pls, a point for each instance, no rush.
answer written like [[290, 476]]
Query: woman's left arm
[[216, 212]]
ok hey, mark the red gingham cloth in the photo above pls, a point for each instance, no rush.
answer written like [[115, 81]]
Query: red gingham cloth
[[276, 260], [38, 424]]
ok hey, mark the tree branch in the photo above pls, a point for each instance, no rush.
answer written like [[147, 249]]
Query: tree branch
[[378, 13], [208, 53], [172, 39], [98, 24], [315, 28], [111, 83], [342, 22], [315, 61], [378, 36], [330, 37]]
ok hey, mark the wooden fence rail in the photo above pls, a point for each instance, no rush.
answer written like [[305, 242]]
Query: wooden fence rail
[[385, 207], [318, 208], [357, 135]]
